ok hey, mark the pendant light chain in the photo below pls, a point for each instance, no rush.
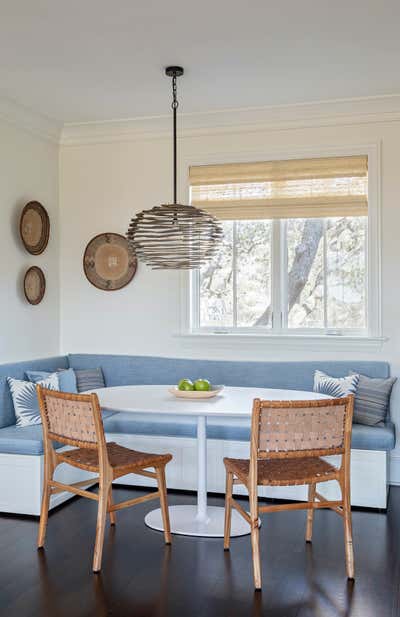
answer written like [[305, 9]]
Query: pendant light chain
[[174, 106]]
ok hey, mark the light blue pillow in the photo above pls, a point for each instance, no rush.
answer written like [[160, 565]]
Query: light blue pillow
[[24, 396], [66, 378], [336, 387]]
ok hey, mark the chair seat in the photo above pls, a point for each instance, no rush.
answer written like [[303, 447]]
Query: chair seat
[[120, 458], [284, 472]]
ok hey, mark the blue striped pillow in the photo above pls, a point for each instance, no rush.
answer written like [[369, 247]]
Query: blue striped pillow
[[89, 379], [372, 399]]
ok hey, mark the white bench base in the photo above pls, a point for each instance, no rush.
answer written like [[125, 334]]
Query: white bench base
[[21, 476], [21, 483]]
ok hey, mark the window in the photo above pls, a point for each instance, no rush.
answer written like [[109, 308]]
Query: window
[[294, 259]]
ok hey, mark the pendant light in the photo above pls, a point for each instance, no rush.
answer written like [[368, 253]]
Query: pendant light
[[174, 236]]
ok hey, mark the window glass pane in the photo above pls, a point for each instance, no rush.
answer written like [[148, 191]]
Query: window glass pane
[[346, 272], [253, 273], [216, 285], [305, 275]]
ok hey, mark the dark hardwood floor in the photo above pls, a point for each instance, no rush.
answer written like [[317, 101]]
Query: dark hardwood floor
[[141, 577]]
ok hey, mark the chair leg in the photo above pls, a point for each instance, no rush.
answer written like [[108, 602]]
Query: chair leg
[[255, 539], [44, 510], [110, 503], [228, 510], [104, 491], [310, 512], [255, 546], [162, 487], [348, 533]]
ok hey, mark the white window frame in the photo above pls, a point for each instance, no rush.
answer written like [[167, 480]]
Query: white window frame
[[190, 281]]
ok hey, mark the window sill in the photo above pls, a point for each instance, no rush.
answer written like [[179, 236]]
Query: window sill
[[316, 342]]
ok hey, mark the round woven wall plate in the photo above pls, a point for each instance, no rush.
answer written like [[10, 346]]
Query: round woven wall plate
[[108, 262], [34, 227], [34, 285]]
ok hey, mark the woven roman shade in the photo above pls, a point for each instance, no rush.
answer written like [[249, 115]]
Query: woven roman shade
[[297, 188]]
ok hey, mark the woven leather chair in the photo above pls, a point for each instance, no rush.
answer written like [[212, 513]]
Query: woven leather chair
[[287, 440], [75, 420]]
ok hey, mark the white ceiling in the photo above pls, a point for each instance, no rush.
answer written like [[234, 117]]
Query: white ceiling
[[91, 60]]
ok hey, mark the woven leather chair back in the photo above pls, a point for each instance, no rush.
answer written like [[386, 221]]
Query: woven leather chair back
[[301, 428], [73, 419]]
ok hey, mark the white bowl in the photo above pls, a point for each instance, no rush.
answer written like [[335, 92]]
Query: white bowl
[[196, 394]]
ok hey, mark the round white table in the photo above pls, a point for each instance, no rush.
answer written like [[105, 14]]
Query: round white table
[[200, 520]]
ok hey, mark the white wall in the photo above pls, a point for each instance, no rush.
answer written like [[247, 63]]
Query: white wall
[[104, 183], [28, 171]]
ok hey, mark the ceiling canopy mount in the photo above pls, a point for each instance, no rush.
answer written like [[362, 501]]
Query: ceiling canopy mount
[[174, 71]]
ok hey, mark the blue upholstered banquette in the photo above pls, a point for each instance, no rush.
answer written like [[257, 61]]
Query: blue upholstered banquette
[[125, 370]]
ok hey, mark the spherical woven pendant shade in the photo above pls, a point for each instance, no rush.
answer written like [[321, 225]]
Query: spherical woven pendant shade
[[174, 237]]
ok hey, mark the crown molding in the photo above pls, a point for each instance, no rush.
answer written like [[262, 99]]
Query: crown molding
[[277, 117], [30, 121]]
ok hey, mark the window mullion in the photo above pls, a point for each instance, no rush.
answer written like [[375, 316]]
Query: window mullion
[[234, 274], [196, 297], [276, 287], [325, 275], [367, 288], [283, 275]]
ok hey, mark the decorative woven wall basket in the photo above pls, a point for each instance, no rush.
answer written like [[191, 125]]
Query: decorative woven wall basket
[[34, 285], [108, 262], [34, 227]]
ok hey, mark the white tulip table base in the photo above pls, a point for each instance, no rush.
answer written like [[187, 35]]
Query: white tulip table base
[[186, 521]]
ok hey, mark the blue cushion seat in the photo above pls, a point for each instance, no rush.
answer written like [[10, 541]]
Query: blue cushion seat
[[27, 439], [151, 424], [22, 440], [379, 437]]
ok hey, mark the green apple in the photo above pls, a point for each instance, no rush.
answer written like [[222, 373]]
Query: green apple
[[185, 384], [203, 385]]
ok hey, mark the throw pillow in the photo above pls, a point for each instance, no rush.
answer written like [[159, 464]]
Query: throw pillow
[[66, 378], [89, 379], [336, 387], [24, 396], [372, 399]]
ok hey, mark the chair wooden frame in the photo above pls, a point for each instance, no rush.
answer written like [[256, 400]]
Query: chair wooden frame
[[251, 478], [93, 454]]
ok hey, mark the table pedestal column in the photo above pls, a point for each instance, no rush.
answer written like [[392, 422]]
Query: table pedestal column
[[200, 520], [202, 515]]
